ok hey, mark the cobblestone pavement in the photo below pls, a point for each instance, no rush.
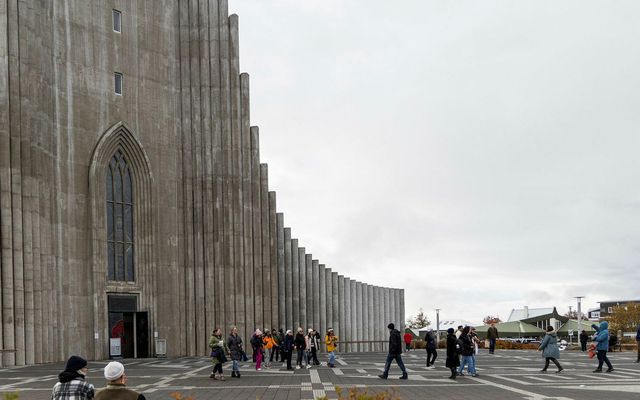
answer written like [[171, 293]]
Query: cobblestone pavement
[[508, 374]]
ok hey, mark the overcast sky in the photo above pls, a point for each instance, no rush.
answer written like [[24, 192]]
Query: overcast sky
[[482, 155]]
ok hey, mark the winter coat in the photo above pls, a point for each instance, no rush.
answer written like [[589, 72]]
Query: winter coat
[[299, 341], [549, 345], [234, 342], [603, 335], [638, 334], [331, 341], [269, 342], [313, 341], [467, 345], [408, 338], [584, 337], [395, 342], [217, 343], [432, 343], [256, 342], [492, 333], [287, 346], [453, 359]]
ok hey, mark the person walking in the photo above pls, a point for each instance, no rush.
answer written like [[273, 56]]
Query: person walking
[[584, 338], [432, 345], [269, 345], [395, 353], [307, 352], [218, 350], [453, 353], [235, 345], [276, 348], [286, 348], [550, 350], [331, 340], [257, 344], [300, 344], [492, 336], [314, 345], [638, 343], [407, 340], [72, 383], [467, 353], [117, 384], [602, 338]]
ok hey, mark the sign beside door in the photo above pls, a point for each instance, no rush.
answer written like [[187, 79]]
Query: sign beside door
[[115, 347]]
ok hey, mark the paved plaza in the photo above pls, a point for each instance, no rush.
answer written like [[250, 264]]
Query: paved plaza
[[508, 374]]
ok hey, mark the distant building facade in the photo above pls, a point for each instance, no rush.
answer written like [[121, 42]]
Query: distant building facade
[[607, 307], [133, 203], [540, 317]]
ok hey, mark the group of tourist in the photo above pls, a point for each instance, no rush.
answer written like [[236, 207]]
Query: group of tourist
[[279, 346], [270, 346]]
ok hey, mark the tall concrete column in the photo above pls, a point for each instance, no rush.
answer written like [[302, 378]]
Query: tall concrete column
[[316, 295], [336, 303], [310, 290], [276, 273], [329, 295], [295, 285], [342, 312], [288, 276], [348, 335], [402, 315], [387, 311], [266, 254], [370, 320], [380, 318], [282, 316], [258, 271], [302, 282], [360, 315], [397, 307], [365, 317], [322, 294], [354, 315]]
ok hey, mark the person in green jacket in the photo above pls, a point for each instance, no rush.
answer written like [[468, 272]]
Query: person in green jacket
[[218, 350]]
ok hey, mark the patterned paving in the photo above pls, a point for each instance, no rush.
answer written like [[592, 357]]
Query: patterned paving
[[506, 375]]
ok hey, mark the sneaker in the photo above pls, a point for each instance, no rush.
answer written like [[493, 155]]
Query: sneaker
[[610, 369], [308, 366], [432, 366], [382, 377], [460, 374], [544, 371], [475, 375], [213, 376], [597, 370], [297, 367], [221, 377], [559, 370], [258, 369], [405, 376]]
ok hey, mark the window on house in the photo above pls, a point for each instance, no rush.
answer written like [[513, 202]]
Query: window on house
[[117, 80], [120, 246], [610, 310], [117, 21]]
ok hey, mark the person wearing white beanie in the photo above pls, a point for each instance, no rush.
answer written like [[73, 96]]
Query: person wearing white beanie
[[116, 384]]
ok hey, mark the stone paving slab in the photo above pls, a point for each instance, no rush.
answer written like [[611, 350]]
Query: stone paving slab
[[508, 374]]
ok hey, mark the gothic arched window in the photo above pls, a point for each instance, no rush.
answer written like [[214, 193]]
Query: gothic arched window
[[119, 220]]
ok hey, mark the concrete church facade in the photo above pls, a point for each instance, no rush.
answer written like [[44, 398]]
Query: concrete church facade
[[133, 203]]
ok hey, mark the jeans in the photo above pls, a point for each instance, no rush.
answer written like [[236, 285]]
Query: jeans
[[258, 354], [235, 365], [387, 364], [470, 362], [492, 345], [602, 358], [300, 357], [332, 357]]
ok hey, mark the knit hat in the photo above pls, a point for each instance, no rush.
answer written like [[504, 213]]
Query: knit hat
[[391, 326], [450, 330], [75, 363], [113, 371], [310, 330]]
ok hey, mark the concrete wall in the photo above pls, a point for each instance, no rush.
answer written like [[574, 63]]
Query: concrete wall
[[211, 249]]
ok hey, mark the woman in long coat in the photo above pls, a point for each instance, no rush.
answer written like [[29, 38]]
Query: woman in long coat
[[550, 350], [218, 350], [453, 357], [235, 349]]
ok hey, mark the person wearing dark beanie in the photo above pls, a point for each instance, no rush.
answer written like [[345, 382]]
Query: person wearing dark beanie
[[395, 353], [72, 383]]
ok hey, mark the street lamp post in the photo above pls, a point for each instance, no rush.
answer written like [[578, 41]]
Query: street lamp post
[[438, 323], [579, 299]]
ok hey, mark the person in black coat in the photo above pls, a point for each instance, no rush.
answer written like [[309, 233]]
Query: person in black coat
[[584, 338], [453, 355], [287, 348], [395, 352]]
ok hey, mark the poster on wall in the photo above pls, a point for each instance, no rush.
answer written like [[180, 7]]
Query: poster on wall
[[115, 347]]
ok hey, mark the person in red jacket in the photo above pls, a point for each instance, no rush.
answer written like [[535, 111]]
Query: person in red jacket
[[407, 340]]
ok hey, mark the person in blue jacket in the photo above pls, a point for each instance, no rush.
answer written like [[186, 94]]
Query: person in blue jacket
[[602, 338]]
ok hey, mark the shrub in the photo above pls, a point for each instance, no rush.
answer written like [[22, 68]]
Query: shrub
[[363, 394]]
